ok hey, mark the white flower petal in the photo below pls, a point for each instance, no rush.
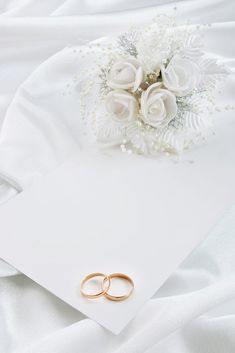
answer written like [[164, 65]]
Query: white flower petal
[[125, 74]]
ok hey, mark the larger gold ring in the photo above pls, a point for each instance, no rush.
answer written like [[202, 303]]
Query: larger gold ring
[[118, 298], [105, 284]]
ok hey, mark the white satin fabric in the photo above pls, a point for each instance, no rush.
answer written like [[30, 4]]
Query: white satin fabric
[[194, 312]]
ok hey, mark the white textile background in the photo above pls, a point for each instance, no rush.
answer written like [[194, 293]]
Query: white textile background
[[194, 312]]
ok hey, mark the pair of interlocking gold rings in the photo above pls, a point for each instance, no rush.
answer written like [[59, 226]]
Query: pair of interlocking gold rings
[[105, 286]]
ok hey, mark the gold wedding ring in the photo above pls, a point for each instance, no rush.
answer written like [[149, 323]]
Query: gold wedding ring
[[118, 298], [105, 286], [104, 289]]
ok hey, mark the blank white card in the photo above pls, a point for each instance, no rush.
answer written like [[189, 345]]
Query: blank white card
[[111, 212]]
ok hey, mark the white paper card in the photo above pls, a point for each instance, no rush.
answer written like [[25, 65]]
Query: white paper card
[[111, 212]]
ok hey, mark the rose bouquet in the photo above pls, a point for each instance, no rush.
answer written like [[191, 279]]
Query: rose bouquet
[[155, 90]]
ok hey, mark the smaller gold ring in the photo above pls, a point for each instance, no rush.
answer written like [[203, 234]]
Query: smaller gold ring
[[119, 297], [99, 294]]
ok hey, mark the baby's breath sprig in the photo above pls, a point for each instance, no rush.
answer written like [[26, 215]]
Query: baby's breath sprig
[[104, 88], [127, 42]]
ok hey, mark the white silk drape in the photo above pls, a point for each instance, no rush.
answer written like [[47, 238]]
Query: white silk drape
[[194, 312]]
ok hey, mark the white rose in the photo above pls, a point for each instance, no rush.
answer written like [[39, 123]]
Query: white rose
[[180, 76], [158, 105], [125, 74], [121, 105]]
